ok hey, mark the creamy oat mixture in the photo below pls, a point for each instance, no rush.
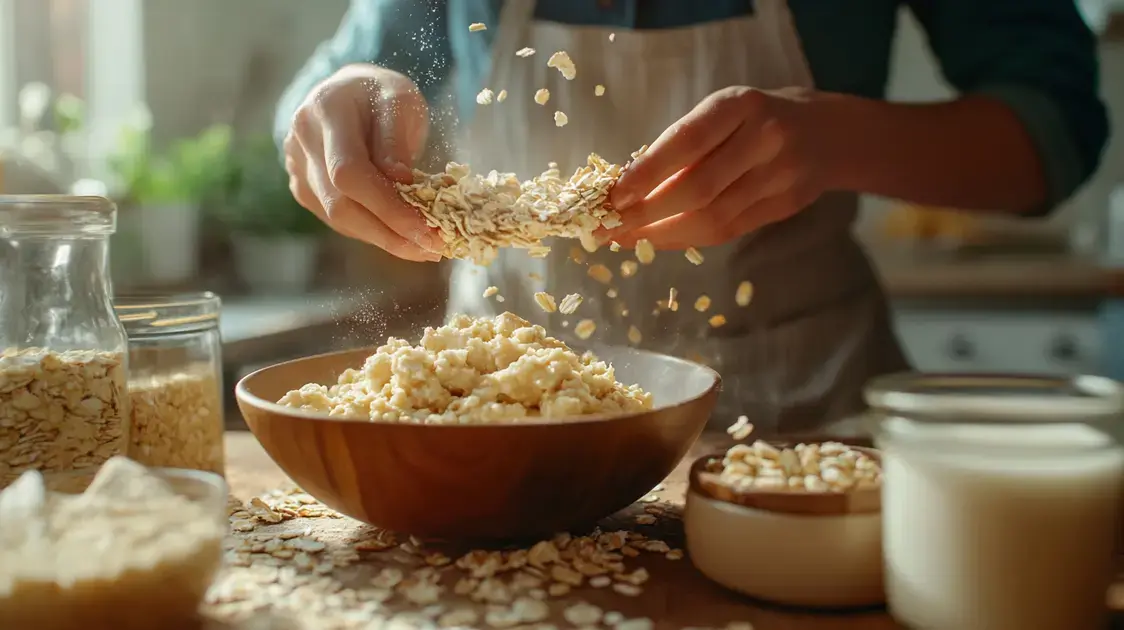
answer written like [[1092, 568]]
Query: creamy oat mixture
[[60, 411], [477, 215], [127, 553], [474, 371]]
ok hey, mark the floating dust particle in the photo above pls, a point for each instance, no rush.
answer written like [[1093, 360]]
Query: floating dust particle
[[694, 255], [502, 96], [501, 299], [600, 273], [584, 329], [629, 268], [634, 336], [476, 27], [546, 302], [524, 52], [599, 90], [560, 119], [611, 292], [614, 246], [645, 252], [741, 429], [717, 321], [672, 301], [570, 303], [490, 291], [744, 293], [562, 62], [565, 323], [485, 97], [702, 303], [542, 96]]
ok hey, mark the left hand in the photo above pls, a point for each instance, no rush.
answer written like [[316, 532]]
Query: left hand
[[740, 160]]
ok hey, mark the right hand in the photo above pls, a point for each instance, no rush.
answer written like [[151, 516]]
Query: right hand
[[354, 136]]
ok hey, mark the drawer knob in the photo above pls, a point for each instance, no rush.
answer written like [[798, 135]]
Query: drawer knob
[[961, 348], [1064, 348]]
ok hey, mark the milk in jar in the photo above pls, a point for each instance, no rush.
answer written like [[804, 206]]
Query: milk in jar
[[1001, 499]]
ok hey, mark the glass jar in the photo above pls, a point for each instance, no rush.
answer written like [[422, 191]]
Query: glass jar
[[63, 408], [1001, 498], [175, 380]]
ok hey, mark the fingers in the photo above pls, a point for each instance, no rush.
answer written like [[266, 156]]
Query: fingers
[[683, 144], [401, 127]]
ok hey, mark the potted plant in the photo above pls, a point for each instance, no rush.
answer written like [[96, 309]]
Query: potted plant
[[275, 241], [167, 190]]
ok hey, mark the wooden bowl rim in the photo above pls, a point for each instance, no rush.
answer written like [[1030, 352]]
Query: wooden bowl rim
[[243, 395], [754, 499]]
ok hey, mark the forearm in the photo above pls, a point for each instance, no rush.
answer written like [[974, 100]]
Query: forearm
[[972, 153]]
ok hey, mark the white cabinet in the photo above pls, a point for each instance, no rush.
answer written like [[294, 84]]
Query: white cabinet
[[957, 340]]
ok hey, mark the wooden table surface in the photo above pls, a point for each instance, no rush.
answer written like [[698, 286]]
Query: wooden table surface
[[676, 596]]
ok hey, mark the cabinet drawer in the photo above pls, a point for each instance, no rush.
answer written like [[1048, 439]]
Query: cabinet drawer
[[1001, 342]]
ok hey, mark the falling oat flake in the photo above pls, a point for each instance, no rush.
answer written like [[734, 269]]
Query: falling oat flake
[[524, 52], [560, 119], [476, 27]]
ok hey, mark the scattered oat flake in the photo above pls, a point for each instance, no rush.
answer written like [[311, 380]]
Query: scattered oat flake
[[600, 273], [674, 554], [476, 27], [741, 428], [614, 246], [612, 37], [694, 255], [702, 303], [672, 299], [546, 301], [502, 96], [562, 62], [634, 336], [626, 589], [584, 329], [560, 119], [542, 96], [500, 299], [490, 291], [485, 97], [611, 292], [524, 52], [599, 90], [645, 252], [717, 321], [744, 293], [582, 614], [570, 303], [629, 268]]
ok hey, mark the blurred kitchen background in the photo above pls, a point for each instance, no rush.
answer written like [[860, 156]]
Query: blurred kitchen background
[[169, 103]]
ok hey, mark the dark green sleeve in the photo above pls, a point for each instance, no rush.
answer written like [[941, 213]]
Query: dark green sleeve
[[408, 36], [1040, 59]]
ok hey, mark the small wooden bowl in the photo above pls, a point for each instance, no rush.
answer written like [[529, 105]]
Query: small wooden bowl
[[481, 482], [795, 548]]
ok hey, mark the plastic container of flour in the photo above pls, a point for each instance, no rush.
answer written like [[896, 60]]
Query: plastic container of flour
[[1001, 499]]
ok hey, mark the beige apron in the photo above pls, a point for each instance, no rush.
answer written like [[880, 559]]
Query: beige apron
[[817, 328]]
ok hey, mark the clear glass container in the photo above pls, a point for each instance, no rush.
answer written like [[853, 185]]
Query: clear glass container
[[1001, 498], [63, 359], [175, 380]]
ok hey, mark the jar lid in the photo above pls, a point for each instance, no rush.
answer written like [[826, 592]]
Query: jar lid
[[46, 215], [150, 315], [996, 398]]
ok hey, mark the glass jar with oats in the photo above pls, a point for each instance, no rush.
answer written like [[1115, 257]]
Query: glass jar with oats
[[175, 380], [63, 353]]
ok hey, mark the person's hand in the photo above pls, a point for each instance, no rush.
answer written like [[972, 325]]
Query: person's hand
[[355, 135], [740, 160]]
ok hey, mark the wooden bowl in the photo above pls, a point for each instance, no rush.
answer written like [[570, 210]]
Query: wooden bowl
[[481, 482]]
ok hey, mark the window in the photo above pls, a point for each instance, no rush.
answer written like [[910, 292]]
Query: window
[[92, 49]]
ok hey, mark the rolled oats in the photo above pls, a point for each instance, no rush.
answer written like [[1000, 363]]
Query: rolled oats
[[744, 293], [826, 467], [178, 420], [477, 215], [583, 614], [490, 291], [611, 292], [562, 62], [600, 273], [717, 321], [542, 95], [546, 302], [629, 268], [570, 304], [485, 97], [488, 370], [61, 412], [645, 252], [585, 329], [614, 246], [673, 299], [694, 256], [476, 27], [702, 303], [560, 119], [524, 52], [599, 90], [741, 428], [501, 96]]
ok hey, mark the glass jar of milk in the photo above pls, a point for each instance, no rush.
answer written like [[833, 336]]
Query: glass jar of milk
[[1001, 499]]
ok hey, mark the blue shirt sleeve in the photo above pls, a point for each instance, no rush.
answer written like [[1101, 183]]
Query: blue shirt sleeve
[[1040, 59], [408, 36]]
